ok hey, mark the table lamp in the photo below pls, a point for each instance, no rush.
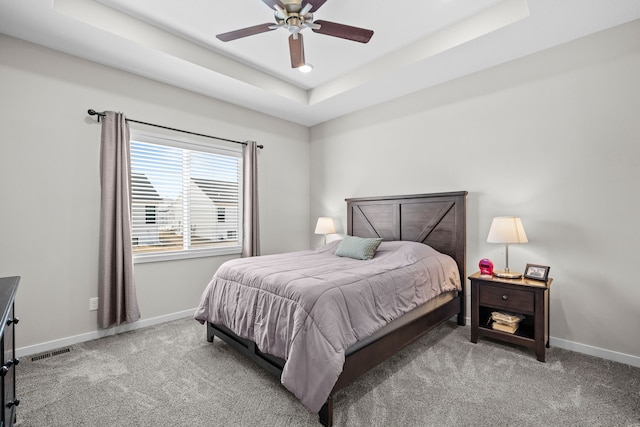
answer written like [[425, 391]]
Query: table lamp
[[507, 229], [325, 226]]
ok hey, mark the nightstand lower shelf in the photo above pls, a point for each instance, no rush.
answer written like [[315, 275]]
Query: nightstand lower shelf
[[521, 336]]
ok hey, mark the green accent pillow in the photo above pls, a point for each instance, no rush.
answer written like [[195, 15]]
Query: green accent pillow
[[358, 247]]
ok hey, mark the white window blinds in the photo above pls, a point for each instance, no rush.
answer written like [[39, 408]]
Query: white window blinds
[[186, 198]]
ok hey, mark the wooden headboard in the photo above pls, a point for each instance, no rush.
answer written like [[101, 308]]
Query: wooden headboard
[[437, 220]]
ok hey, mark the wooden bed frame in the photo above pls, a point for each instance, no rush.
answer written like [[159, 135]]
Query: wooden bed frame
[[438, 220]]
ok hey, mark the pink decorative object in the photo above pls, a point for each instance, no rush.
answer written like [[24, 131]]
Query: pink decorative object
[[486, 266]]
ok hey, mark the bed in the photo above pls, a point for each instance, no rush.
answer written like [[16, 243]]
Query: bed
[[301, 328]]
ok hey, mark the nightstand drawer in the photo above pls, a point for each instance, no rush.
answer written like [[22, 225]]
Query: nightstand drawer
[[516, 300]]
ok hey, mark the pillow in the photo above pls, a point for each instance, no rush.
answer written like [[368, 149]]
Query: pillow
[[357, 247]]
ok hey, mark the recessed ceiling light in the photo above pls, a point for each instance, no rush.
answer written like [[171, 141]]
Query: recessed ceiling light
[[305, 68]]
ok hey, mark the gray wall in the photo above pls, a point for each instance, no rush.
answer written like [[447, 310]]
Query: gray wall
[[553, 138], [49, 183]]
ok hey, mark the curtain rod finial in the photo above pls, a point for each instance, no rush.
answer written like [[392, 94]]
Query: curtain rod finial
[[93, 112]]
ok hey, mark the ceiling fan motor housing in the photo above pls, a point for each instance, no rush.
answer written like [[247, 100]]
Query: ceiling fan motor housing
[[294, 19]]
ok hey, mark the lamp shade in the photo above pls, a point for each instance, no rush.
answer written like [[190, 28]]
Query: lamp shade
[[507, 229], [325, 225]]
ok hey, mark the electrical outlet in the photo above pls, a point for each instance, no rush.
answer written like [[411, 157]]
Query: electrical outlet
[[93, 304]]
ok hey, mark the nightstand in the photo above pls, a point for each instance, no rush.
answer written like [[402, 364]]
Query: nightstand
[[522, 296]]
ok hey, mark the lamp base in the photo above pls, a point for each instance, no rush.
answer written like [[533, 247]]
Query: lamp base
[[506, 274]]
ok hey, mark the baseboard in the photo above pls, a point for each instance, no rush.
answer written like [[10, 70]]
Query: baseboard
[[595, 351], [590, 350], [69, 341]]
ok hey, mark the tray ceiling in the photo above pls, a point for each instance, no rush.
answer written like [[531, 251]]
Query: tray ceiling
[[416, 44]]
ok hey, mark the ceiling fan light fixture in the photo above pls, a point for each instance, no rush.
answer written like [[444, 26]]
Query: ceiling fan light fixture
[[305, 68], [306, 9], [280, 12]]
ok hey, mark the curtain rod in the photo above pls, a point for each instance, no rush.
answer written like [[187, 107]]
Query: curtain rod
[[93, 112]]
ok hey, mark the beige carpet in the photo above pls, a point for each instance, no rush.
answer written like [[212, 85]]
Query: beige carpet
[[169, 375]]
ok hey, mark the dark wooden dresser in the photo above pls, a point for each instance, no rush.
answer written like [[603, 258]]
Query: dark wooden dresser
[[8, 288]]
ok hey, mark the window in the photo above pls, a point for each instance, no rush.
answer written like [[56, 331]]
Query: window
[[185, 198]]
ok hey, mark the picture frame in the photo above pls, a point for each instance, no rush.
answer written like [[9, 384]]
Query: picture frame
[[537, 272]]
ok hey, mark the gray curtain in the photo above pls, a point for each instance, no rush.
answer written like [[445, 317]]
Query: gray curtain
[[251, 231], [117, 301]]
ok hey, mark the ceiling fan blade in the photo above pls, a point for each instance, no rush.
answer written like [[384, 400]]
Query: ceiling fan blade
[[343, 31], [317, 4], [296, 51], [244, 32]]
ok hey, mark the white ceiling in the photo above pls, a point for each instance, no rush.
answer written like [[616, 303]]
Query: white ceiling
[[416, 44]]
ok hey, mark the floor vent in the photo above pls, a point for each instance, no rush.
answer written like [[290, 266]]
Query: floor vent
[[50, 353], [61, 351]]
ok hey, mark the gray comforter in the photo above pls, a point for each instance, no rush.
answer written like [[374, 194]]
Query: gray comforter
[[308, 307]]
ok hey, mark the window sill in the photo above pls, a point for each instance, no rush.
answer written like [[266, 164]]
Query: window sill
[[171, 256]]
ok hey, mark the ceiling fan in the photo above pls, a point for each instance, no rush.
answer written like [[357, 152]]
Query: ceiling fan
[[295, 16]]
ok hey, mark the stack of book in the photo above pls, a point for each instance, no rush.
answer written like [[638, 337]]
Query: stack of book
[[505, 322]]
